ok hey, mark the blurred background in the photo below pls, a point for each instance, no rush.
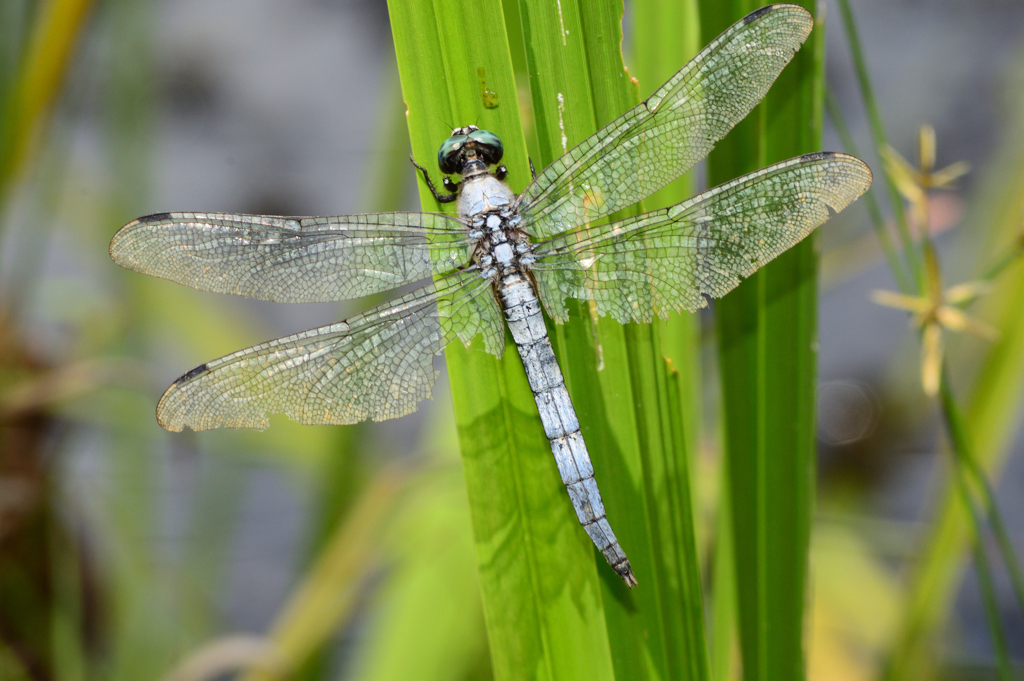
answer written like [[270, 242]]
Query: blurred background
[[129, 552]]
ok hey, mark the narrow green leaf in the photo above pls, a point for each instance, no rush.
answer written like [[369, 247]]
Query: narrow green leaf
[[44, 62], [969, 467], [960, 443], [725, 605], [666, 34], [767, 332], [542, 602], [995, 519], [629, 403], [990, 602], [591, 351]]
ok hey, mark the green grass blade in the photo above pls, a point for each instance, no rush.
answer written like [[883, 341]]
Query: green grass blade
[[960, 443], [43, 65], [995, 518], [963, 449], [629, 403], [592, 352], [685, 628], [724, 603], [666, 33], [540, 588], [767, 331], [991, 603]]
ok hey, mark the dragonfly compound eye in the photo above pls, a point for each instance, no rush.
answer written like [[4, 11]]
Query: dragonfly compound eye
[[448, 154], [488, 146]]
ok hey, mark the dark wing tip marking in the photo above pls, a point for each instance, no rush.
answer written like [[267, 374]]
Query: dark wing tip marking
[[758, 13], [198, 371], [818, 156], [166, 417], [155, 217], [839, 156]]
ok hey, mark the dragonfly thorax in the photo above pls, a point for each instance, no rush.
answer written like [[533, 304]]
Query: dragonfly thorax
[[501, 247], [483, 193]]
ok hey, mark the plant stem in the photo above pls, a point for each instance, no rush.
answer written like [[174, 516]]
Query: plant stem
[[835, 114], [964, 452], [878, 136], [959, 443]]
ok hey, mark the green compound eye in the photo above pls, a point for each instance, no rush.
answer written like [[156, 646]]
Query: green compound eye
[[448, 154], [486, 145], [489, 145]]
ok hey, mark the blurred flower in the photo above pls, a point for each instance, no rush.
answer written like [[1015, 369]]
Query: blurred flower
[[915, 183], [933, 311]]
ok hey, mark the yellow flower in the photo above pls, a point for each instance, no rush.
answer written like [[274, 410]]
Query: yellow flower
[[935, 310], [915, 183]]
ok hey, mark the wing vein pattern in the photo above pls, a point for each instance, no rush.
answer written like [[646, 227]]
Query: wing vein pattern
[[375, 365], [292, 260], [671, 259], [663, 137]]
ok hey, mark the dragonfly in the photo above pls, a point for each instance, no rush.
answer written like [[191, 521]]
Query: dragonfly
[[503, 260]]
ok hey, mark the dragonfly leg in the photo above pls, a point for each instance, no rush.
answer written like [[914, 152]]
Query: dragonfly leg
[[533, 173], [501, 172], [448, 184]]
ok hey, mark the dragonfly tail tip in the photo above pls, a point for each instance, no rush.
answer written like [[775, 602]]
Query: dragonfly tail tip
[[626, 572]]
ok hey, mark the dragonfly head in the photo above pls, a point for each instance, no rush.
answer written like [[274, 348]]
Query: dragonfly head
[[467, 144]]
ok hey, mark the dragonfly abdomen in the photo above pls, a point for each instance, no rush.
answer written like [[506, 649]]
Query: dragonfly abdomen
[[561, 426]]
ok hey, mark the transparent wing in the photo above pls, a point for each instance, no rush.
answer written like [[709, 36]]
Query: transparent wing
[[376, 365], [660, 139], [292, 260], [670, 259]]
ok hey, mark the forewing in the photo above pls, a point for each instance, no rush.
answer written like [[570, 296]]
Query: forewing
[[670, 259], [292, 260], [376, 365], [660, 139]]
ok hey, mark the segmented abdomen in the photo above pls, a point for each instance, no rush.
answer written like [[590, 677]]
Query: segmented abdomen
[[525, 321]]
